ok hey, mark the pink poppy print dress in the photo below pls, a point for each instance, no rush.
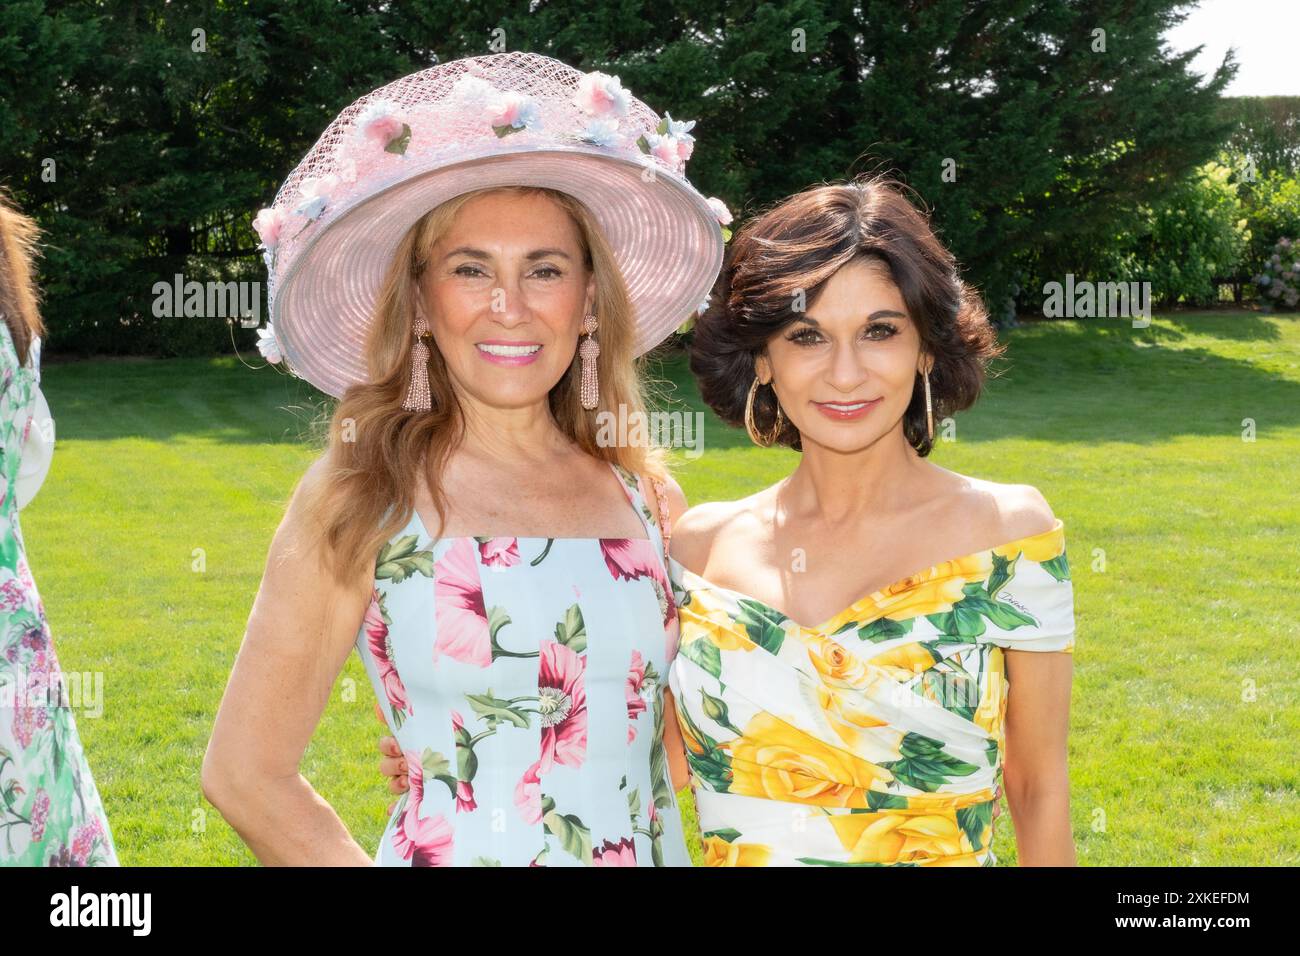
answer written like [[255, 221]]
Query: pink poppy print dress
[[524, 680]]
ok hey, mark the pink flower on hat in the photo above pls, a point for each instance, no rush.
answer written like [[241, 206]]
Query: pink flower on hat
[[513, 112], [268, 224], [384, 125], [680, 130], [663, 148], [601, 95], [671, 143], [720, 210]]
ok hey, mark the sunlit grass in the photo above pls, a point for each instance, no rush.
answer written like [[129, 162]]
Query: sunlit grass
[[148, 539]]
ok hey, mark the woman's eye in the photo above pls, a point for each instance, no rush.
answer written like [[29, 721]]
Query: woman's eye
[[877, 331], [551, 271], [804, 337], [468, 270]]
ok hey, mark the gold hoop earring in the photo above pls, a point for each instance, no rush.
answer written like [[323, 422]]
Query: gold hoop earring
[[929, 409], [754, 435]]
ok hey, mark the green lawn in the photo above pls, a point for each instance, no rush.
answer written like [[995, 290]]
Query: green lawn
[[1184, 718]]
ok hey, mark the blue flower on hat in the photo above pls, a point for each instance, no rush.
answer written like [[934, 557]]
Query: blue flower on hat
[[601, 132], [513, 112]]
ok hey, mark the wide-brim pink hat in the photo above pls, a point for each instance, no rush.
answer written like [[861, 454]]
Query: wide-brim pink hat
[[503, 119]]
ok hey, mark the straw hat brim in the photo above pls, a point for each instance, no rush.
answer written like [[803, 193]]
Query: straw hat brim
[[665, 238]]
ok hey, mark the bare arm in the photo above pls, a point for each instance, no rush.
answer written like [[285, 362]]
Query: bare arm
[[299, 634], [1035, 771]]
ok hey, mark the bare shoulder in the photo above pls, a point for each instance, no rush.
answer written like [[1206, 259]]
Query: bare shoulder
[[300, 514], [299, 548], [1015, 511], [699, 529]]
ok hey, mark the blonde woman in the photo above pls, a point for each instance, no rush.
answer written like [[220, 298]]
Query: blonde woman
[[50, 809], [471, 258]]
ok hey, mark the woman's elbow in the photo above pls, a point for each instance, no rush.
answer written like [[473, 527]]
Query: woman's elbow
[[217, 780], [226, 782]]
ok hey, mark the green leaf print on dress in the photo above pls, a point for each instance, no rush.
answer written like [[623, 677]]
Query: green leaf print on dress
[[924, 764]]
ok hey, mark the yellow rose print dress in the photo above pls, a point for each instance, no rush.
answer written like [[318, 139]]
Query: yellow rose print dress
[[874, 739]]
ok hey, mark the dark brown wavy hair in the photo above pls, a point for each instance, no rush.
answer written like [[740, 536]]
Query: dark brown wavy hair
[[798, 245]]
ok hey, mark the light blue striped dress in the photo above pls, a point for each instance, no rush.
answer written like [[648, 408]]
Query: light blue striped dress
[[524, 680]]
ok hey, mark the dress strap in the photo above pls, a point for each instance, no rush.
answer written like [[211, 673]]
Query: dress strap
[[665, 518], [632, 487]]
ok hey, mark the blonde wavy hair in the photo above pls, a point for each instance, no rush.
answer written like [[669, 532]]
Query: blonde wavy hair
[[375, 450]]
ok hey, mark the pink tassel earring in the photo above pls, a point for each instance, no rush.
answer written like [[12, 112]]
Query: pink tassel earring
[[588, 351], [418, 398]]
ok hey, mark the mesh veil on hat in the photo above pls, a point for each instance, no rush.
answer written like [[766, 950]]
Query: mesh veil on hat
[[503, 119]]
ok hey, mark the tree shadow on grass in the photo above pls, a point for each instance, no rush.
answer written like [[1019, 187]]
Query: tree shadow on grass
[[1238, 325], [1067, 381], [1098, 381], [215, 399]]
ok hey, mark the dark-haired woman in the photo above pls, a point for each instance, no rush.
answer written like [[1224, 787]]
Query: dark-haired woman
[[868, 645], [50, 810]]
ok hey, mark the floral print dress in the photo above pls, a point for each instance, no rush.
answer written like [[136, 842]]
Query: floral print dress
[[524, 680], [50, 810], [876, 738]]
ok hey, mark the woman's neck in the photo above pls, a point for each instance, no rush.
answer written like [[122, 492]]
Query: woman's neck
[[520, 435], [833, 488]]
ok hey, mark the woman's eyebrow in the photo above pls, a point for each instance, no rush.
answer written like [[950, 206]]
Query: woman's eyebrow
[[467, 251], [481, 254], [878, 314]]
